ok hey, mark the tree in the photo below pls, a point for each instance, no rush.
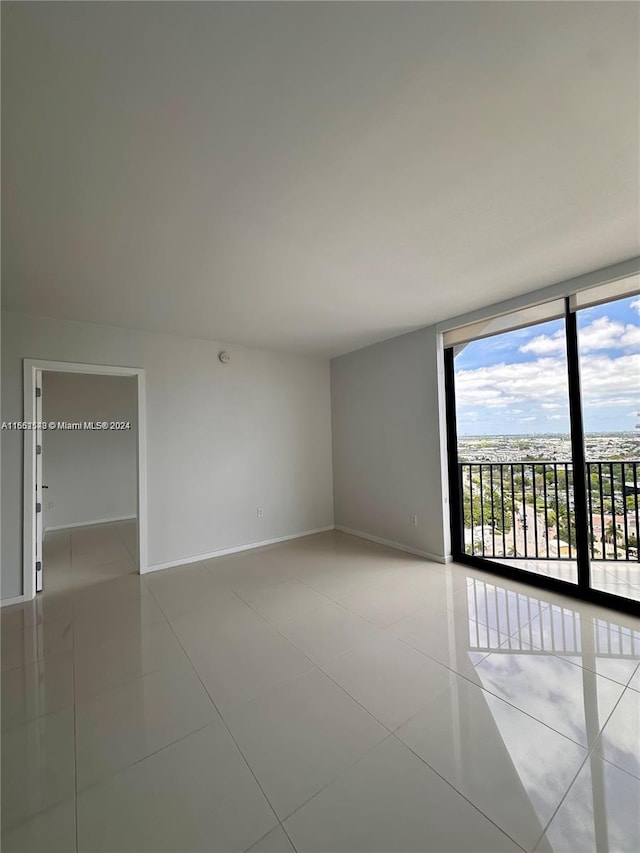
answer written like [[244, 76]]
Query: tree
[[612, 532]]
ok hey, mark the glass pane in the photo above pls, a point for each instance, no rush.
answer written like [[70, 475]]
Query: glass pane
[[609, 347], [514, 450]]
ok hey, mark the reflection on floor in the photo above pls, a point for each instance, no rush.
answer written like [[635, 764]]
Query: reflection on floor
[[84, 556], [618, 578], [326, 694]]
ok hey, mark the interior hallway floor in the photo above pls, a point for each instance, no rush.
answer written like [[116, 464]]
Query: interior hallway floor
[[325, 694]]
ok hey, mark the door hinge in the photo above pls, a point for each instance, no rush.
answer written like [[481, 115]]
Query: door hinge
[[38, 449], [38, 566], [38, 506], [38, 392]]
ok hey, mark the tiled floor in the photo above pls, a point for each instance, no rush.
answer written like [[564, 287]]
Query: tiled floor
[[619, 577], [327, 694]]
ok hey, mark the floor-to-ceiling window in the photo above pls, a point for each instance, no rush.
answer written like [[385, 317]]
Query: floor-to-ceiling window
[[544, 440], [609, 359]]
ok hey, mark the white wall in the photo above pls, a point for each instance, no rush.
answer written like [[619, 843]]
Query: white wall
[[389, 443], [222, 439], [91, 475]]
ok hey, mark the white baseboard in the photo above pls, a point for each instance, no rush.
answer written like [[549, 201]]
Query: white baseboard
[[17, 599], [89, 523], [435, 558], [196, 558]]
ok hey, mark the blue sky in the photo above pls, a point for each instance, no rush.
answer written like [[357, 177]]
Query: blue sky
[[516, 383]]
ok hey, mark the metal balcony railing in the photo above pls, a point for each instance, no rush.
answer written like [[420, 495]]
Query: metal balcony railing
[[526, 510]]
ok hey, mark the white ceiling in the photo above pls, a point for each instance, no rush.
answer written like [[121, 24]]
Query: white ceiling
[[312, 176]]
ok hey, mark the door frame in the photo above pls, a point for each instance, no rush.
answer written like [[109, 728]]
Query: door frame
[[30, 366]]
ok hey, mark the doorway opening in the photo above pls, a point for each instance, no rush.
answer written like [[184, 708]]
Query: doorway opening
[[84, 473]]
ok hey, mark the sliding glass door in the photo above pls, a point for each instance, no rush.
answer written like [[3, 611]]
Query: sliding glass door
[[609, 356], [514, 449], [543, 446]]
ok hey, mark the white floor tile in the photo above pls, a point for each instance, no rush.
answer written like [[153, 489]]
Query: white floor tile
[[447, 637], [53, 831], [125, 657], [609, 649], [504, 607], [196, 795], [239, 670], [600, 812], [35, 612], [513, 768], [388, 601], [570, 699], [619, 742], [327, 631], [390, 679], [38, 767], [299, 737], [24, 645], [123, 725], [336, 581], [186, 589], [228, 619], [275, 841], [390, 802], [39, 688], [282, 601], [93, 553], [122, 618], [258, 571], [100, 595]]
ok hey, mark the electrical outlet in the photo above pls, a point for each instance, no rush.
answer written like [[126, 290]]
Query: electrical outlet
[[413, 518], [260, 512], [50, 505]]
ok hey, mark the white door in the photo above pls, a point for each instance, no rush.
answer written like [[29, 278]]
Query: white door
[[39, 492]]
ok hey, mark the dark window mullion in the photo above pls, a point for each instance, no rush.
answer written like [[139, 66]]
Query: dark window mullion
[[535, 509], [614, 525], [590, 519], [493, 512], [577, 449], [525, 520], [624, 511], [637, 513], [603, 539], [546, 510], [456, 507], [481, 507], [504, 537]]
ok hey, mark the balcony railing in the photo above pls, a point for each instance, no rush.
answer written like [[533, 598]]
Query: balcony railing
[[526, 510]]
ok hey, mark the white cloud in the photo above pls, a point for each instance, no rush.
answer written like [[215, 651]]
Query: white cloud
[[631, 337], [543, 383], [602, 334], [635, 305], [502, 385], [612, 380], [546, 344]]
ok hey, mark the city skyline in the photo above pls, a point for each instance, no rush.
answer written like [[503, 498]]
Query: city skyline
[[516, 383]]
